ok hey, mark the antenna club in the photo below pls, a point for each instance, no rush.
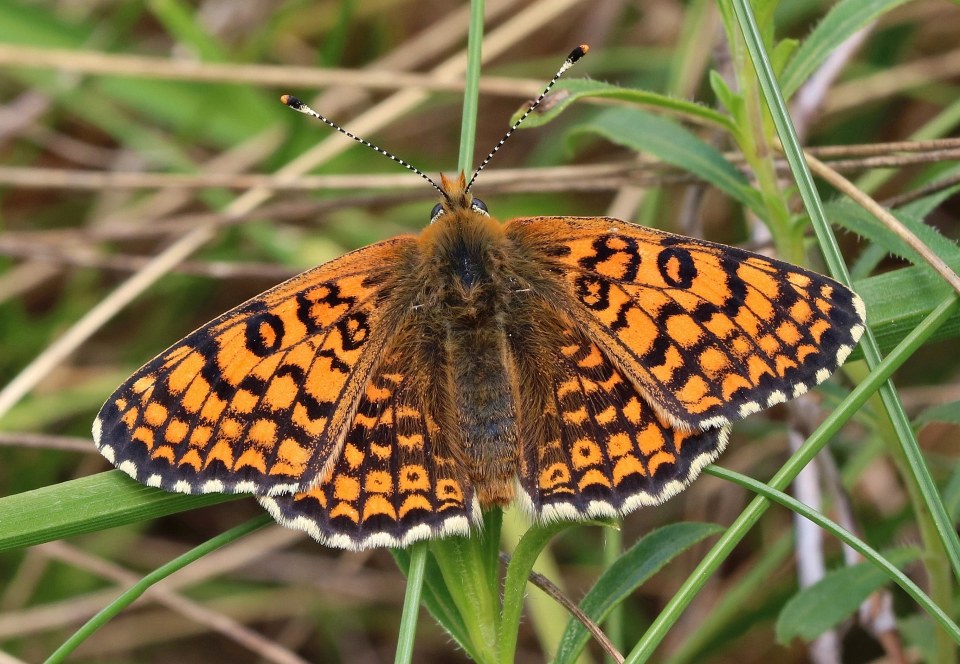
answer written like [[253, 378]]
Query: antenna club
[[291, 101], [578, 53]]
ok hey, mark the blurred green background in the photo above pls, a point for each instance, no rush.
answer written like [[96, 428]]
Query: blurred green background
[[127, 128]]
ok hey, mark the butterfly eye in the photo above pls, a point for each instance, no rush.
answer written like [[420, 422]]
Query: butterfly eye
[[436, 212], [479, 206]]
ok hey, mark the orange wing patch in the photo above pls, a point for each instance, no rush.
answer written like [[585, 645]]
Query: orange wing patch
[[594, 447], [709, 333], [259, 399], [394, 482]]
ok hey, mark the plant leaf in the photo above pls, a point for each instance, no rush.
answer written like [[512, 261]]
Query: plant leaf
[[568, 91], [667, 140], [86, 505], [633, 568], [834, 598], [843, 19], [948, 413]]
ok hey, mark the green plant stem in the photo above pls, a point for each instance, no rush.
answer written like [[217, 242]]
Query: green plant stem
[[515, 584], [463, 564], [938, 570], [946, 543], [612, 550], [731, 604], [471, 90], [162, 572], [847, 538], [411, 604], [742, 525]]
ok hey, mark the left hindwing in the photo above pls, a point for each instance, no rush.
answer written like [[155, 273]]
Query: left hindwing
[[395, 481], [709, 333]]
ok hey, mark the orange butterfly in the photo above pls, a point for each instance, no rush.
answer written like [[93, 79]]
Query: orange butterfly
[[583, 365]]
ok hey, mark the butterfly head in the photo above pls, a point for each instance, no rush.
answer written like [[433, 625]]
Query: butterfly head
[[456, 199]]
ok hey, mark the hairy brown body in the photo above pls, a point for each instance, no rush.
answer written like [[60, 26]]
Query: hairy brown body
[[471, 289]]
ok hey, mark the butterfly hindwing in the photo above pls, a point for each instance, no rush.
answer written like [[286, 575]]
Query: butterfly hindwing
[[592, 445], [710, 333], [394, 481], [258, 399]]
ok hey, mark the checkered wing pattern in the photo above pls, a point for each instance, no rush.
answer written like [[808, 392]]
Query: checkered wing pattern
[[394, 482], [260, 399], [593, 446], [709, 333]]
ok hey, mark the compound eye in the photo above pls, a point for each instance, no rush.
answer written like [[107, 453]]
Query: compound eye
[[479, 206], [436, 212]]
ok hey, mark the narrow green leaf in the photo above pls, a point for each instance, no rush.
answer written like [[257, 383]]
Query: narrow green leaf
[[730, 100], [568, 91], [632, 569], [843, 19], [666, 140], [87, 505], [898, 300], [834, 598], [782, 53], [853, 217], [951, 494], [948, 413], [463, 565]]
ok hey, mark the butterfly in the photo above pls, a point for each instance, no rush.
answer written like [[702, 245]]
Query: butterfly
[[582, 366]]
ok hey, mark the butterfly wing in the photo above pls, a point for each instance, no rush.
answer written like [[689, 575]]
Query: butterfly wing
[[259, 399], [395, 481], [709, 333], [592, 445]]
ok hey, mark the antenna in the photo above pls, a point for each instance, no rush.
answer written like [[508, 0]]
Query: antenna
[[571, 60], [297, 105]]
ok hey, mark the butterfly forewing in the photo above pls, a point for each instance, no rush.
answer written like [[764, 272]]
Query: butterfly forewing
[[709, 333], [259, 399], [394, 481]]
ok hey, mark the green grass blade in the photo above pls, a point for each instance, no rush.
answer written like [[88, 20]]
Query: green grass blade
[[471, 95], [411, 603], [87, 505], [436, 597], [162, 572], [471, 90]]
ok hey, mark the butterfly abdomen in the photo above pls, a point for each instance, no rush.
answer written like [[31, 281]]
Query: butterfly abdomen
[[464, 289]]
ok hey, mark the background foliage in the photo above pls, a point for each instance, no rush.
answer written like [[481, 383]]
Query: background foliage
[[151, 128]]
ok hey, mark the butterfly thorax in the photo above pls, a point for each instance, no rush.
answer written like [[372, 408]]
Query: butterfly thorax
[[463, 305]]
